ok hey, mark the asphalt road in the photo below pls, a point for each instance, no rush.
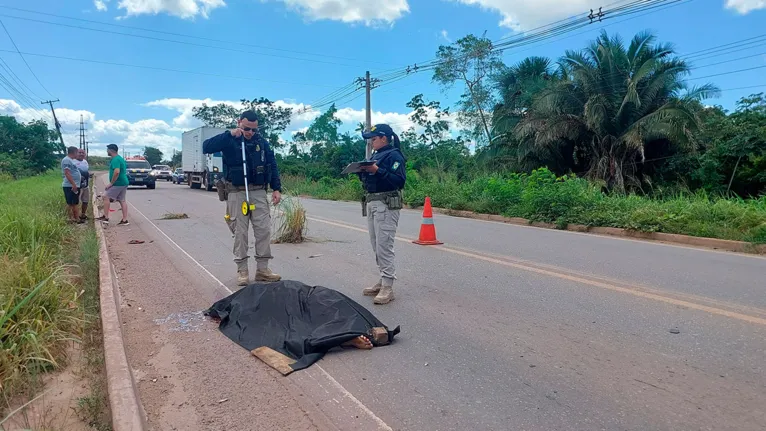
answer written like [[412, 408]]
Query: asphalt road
[[512, 327]]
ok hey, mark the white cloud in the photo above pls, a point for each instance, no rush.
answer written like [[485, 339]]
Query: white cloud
[[132, 136], [100, 5], [445, 36], [745, 6], [522, 15], [186, 9], [370, 12], [166, 135], [185, 120]]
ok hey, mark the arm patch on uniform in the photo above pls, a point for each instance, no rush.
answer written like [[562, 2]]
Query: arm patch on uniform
[[395, 166]]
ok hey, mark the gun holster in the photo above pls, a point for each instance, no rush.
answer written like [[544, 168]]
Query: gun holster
[[220, 187], [364, 206]]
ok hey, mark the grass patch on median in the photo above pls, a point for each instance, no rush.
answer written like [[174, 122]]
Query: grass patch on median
[[47, 279], [291, 221]]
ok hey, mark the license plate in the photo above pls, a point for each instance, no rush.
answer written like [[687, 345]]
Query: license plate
[[139, 180]]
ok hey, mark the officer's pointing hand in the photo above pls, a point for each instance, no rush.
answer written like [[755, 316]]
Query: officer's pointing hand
[[276, 197], [236, 132]]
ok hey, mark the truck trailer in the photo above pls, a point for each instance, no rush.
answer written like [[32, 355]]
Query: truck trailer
[[200, 169]]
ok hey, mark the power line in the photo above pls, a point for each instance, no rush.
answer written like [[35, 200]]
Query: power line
[[59, 57], [24, 59], [169, 33], [160, 39]]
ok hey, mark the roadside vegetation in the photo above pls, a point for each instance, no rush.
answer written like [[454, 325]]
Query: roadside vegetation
[[617, 133], [49, 313]]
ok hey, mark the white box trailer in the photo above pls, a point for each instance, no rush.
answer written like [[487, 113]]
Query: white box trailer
[[200, 169]]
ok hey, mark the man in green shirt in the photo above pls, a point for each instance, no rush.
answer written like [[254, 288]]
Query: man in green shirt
[[117, 186]]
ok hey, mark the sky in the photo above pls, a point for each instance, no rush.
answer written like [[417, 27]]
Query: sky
[[134, 69]]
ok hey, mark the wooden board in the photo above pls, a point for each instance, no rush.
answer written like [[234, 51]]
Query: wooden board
[[274, 359]]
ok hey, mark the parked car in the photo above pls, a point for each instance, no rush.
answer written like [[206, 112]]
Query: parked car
[[178, 176], [163, 172]]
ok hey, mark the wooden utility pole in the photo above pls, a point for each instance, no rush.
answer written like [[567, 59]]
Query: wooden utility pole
[[369, 84], [368, 114], [82, 134], [56, 120]]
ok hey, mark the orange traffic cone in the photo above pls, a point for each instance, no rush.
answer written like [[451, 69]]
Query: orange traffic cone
[[427, 228]]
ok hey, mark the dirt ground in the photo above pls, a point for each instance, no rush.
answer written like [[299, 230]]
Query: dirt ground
[[189, 375], [56, 407]]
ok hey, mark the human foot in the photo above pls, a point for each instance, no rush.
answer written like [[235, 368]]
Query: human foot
[[360, 342]]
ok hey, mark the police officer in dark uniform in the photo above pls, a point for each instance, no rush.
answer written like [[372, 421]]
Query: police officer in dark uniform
[[262, 172], [383, 184]]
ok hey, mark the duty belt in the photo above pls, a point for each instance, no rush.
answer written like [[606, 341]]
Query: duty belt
[[369, 197], [234, 188]]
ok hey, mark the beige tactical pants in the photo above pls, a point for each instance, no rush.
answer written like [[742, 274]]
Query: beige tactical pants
[[382, 223], [261, 221]]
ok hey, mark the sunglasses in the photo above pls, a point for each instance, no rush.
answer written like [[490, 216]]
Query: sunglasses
[[250, 129]]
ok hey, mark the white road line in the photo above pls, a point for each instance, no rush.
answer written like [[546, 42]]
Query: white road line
[[332, 380]]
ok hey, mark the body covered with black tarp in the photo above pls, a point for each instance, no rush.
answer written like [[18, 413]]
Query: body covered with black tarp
[[299, 321]]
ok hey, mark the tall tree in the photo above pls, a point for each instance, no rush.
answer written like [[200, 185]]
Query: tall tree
[[274, 118], [176, 159], [614, 102], [153, 155], [27, 149], [473, 62]]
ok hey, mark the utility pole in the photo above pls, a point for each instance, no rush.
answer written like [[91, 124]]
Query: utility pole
[[369, 84], [82, 134], [56, 120]]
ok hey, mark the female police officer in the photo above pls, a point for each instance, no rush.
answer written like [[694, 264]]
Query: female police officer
[[383, 182]]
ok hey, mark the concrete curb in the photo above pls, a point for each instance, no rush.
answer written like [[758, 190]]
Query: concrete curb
[[126, 408], [713, 243]]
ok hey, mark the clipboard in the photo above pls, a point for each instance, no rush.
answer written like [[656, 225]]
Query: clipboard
[[353, 168]]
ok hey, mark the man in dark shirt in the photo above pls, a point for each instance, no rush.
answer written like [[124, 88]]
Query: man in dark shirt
[[262, 172]]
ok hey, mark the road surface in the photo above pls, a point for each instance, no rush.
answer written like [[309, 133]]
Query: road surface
[[503, 327]]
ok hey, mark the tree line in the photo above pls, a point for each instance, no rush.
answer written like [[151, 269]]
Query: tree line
[[621, 114]]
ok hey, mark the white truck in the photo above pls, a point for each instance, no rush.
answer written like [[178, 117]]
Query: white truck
[[200, 169]]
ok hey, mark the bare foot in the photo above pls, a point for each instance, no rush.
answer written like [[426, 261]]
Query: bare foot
[[360, 342]]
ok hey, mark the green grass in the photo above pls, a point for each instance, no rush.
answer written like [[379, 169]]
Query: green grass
[[48, 279], [291, 221], [541, 196]]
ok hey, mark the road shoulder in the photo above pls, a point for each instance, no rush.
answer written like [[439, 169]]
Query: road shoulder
[[189, 376]]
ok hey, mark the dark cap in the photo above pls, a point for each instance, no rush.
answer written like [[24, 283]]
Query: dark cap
[[112, 147], [379, 130]]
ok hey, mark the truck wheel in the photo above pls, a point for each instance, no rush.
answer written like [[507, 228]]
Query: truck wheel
[[151, 186]]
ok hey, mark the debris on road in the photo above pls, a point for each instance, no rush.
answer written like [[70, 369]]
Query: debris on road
[[223, 400], [174, 216], [315, 255], [675, 331], [136, 241]]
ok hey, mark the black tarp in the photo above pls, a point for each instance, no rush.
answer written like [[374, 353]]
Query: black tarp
[[299, 321]]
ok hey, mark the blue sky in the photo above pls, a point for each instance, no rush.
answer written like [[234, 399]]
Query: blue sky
[[301, 50]]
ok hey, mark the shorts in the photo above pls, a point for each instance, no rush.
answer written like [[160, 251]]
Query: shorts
[[117, 193], [71, 197], [84, 195]]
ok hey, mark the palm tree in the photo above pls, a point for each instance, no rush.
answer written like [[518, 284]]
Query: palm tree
[[612, 103], [517, 85]]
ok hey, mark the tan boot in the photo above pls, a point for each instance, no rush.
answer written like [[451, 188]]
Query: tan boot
[[385, 295], [372, 291], [243, 277], [267, 275]]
